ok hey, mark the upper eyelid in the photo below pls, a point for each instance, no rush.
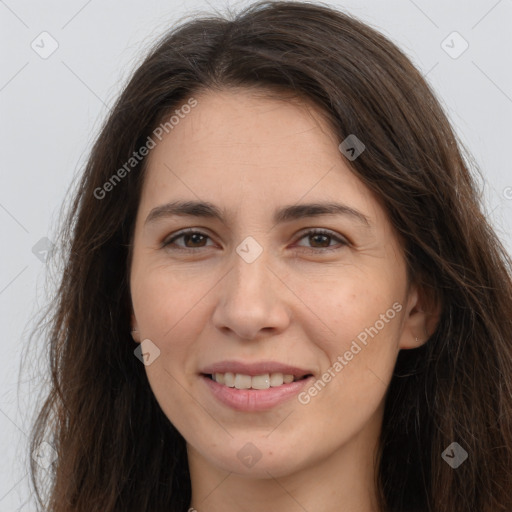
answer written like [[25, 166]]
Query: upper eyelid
[[323, 231]]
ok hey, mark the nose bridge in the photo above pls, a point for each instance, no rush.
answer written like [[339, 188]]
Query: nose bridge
[[250, 269], [250, 284], [250, 298]]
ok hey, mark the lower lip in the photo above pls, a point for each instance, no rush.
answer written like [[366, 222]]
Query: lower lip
[[254, 399]]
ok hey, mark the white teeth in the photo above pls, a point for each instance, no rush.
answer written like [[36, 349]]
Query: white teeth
[[229, 379], [260, 381], [241, 381], [276, 379], [287, 379]]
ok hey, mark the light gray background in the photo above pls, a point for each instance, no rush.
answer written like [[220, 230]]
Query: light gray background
[[52, 108]]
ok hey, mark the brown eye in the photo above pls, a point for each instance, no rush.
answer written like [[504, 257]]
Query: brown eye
[[320, 240], [191, 240]]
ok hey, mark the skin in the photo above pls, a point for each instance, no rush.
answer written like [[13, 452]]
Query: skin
[[249, 154]]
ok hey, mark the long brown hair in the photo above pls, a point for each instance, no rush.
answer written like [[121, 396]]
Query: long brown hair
[[117, 452]]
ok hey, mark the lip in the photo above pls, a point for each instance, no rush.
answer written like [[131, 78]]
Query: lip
[[253, 369], [253, 400]]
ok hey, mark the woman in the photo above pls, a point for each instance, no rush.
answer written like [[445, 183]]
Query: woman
[[280, 290]]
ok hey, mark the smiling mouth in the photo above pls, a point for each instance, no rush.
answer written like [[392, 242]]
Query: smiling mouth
[[264, 381]]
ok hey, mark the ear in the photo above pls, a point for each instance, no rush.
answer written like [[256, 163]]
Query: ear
[[135, 329], [422, 314]]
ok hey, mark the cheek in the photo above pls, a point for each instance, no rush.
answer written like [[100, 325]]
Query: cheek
[[361, 345], [166, 302], [356, 375], [350, 306], [168, 310]]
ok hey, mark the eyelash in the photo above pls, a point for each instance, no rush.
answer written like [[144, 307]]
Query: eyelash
[[311, 232]]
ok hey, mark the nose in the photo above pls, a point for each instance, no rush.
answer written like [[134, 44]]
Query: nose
[[252, 301]]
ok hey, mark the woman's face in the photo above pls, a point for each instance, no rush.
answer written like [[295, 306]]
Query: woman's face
[[252, 295]]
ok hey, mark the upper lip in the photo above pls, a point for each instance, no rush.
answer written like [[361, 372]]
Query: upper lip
[[252, 369]]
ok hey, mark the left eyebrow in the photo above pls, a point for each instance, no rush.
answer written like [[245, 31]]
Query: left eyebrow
[[284, 214]]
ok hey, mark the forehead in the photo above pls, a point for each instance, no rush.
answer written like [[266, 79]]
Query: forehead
[[247, 124], [255, 149]]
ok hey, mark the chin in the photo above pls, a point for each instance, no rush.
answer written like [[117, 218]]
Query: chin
[[259, 459]]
